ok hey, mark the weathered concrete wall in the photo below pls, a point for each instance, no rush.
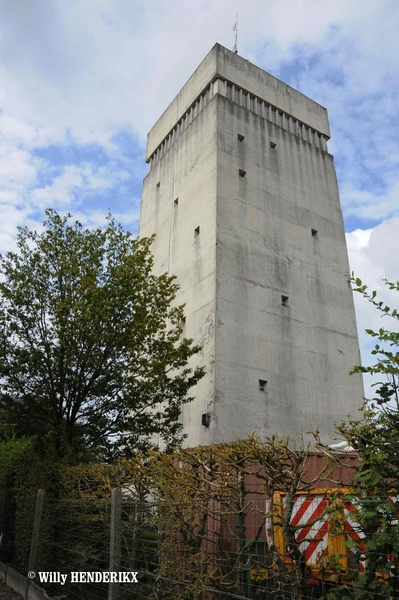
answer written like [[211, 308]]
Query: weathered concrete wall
[[255, 245], [37, 593], [266, 250], [21, 584], [179, 105], [244, 74], [17, 582], [3, 570], [224, 64], [187, 173]]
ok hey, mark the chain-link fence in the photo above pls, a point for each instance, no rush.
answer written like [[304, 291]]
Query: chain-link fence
[[120, 548]]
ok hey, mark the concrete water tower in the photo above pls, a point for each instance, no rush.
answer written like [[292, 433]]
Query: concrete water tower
[[243, 198]]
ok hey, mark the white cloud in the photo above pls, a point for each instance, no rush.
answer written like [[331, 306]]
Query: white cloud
[[14, 217], [373, 258], [126, 60], [84, 71], [373, 253], [76, 180], [96, 218], [370, 205], [16, 170]]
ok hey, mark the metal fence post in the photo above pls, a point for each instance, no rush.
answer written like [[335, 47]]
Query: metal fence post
[[115, 541], [2, 514], [35, 536], [36, 530]]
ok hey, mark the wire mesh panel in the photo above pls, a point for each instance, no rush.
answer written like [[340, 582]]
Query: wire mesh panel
[[140, 547], [74, 541], [209, 549], [262, 577]]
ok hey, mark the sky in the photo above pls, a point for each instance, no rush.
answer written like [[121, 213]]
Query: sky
[[82, 82]]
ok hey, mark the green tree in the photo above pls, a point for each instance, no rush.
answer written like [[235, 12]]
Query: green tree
[[91, 355], [386, 351], [379, 430], [376, 483]]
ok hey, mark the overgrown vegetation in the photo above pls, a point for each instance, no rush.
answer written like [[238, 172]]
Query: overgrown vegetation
[[375, 437], [218, 507], [92, 364], [196, 519]]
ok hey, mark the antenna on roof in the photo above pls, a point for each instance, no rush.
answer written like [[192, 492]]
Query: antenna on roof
[[235, 29]]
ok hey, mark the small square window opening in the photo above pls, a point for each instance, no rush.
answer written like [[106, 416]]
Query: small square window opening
[[197, 231], [262, 385], [314, 232], [241, 137], [272, 144], [284, 300], [242, 173], [176, 202], [205, 419]]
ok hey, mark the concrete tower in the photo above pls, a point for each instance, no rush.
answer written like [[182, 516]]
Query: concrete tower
[[243, 198]]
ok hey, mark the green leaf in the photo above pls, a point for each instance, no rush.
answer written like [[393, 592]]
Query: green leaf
[[376, 480], [90, 341]]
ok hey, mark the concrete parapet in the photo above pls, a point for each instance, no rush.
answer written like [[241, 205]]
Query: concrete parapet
[[36, 593], [22, 585], [223, 65], [3, 570], [17, 582]]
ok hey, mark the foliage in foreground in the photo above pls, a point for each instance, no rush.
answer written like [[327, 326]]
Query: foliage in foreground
[[376, 484], [197, 518], [90, 352]]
